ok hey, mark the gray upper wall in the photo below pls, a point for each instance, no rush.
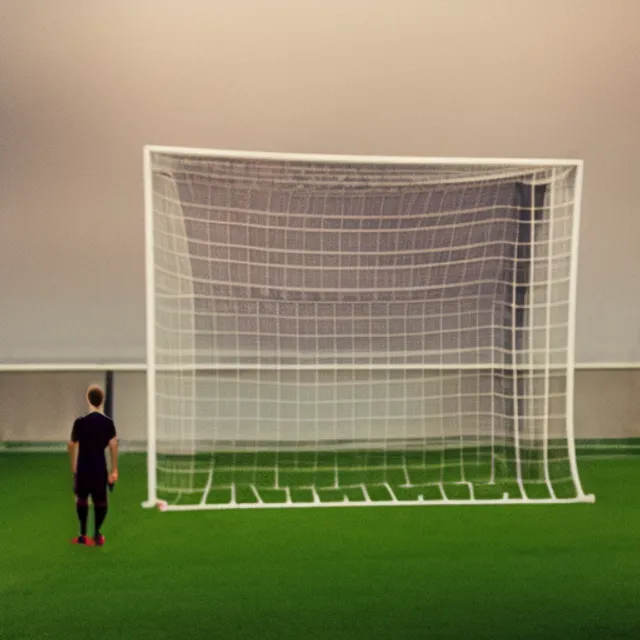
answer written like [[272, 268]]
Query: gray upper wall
[[85, 84]]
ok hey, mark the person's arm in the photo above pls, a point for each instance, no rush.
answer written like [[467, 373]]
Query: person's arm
[[73, 448], [113, 452], [73, 455]]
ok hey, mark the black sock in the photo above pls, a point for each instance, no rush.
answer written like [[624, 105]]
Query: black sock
[[83, 513], [100, 513]]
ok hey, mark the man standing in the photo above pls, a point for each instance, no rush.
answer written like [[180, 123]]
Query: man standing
[[90, 436]]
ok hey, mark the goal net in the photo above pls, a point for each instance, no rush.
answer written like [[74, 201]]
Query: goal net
[[329, 331]]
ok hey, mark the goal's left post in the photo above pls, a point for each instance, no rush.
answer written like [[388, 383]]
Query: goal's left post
[[152, 492]]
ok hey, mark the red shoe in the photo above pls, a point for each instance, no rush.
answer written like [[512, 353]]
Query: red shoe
[[99, 541], [85, 540]]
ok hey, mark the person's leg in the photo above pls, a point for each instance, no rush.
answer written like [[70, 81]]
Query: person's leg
[[100, 508], [82, 508]]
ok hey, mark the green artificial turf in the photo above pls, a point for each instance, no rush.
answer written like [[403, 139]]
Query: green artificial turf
[[561, 572]]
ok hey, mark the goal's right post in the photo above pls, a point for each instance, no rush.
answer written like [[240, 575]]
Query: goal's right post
[[571, 334]]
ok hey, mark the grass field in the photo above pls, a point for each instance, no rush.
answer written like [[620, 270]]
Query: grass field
[[560, 572]]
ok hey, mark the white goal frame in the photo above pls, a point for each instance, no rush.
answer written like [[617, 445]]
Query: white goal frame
[[151, 367]]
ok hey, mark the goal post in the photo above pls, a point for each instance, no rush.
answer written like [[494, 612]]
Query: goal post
[[359, 330]]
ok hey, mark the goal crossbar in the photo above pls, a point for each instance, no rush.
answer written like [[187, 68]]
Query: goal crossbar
[[358, 158]]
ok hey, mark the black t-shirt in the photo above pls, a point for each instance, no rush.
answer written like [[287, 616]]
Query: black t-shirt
[[93, 433]]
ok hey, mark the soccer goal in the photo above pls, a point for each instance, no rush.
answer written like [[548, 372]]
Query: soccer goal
[[347, 330]]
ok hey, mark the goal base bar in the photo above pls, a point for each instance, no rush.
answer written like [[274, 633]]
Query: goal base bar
[[587, 498]]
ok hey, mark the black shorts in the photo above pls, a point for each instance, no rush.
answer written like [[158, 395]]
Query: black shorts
[[92, 484]]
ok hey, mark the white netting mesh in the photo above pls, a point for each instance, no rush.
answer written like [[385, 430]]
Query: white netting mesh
[[353, 327]]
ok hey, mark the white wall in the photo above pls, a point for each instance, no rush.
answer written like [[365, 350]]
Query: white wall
[[41, 407], [86, 83]]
